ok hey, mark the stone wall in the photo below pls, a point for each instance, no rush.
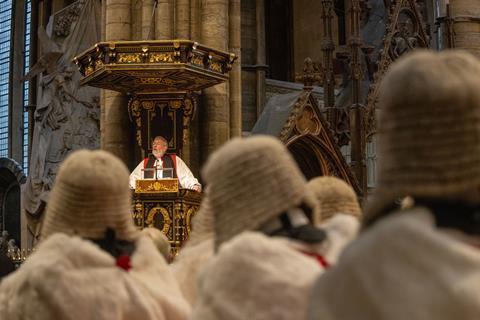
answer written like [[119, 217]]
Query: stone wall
[[249, 52], [308, 31]]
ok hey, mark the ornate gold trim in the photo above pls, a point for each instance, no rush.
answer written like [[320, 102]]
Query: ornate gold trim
[[156, 186], [189, 214], [161, 57], [167, 221], [129, 58]]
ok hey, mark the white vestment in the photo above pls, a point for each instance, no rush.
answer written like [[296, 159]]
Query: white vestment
[[185, 176]]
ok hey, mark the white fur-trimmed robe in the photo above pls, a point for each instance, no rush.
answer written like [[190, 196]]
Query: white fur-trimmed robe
[[341, 229], [72, 278], [188, 265], [402, 268], [255, 277]]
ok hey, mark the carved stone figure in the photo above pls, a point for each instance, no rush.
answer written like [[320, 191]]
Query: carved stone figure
[[67, 115], [65, 18], [12, 246], [4, 241], [405, 38]]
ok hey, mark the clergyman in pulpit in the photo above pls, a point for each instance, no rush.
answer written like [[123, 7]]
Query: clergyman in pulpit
[[161, 165]]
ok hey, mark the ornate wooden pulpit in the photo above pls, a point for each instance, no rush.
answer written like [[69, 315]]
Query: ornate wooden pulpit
[[163, 79], [161, 204]]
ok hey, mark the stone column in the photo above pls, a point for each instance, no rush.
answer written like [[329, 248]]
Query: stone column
[[16, 83], [194, 20], [328, 47], [115, 127], [215, 111], [356, 111], [235, 81], [182, 31], [182, 19], [195, 34], [248, 62], [104, 18], [261, 56], [16, 108], [465, 15], [32, 89], [148, 28], [36, 21], [164, 20]]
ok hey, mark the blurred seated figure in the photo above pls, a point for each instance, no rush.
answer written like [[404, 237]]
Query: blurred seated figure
[[334, 196], [159, 160], [422, 260], [264, 264], [339, 211], [197, 251], [160, 240], [92, 262]]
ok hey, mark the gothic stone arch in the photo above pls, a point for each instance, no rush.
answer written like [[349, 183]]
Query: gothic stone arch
[[299, 124], [11, 178]]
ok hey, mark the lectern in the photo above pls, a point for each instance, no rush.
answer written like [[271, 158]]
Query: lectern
[[161, 204]]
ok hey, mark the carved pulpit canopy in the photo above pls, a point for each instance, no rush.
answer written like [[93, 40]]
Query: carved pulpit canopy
[[157, 66]]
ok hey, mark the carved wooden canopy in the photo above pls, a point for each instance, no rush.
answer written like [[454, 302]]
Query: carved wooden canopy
[[149, 67], [296, 120]]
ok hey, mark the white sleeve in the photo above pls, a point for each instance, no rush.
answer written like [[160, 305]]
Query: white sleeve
[[136, 174], [185, 176]]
